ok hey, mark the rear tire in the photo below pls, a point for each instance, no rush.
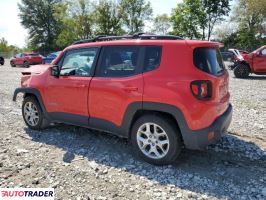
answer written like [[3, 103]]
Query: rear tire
[[241, 71], [156, 139], [33, 114], [26, 64]]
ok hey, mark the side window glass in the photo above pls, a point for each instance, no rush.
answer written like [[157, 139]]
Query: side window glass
[[119, 61], [263, 52], [78, 62], [152, 58]]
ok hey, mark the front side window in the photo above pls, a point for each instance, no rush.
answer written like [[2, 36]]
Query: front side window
[[118, 61], [78, 62], [209, 60]]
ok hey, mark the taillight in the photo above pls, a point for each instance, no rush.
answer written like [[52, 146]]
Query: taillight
[[201, 89]]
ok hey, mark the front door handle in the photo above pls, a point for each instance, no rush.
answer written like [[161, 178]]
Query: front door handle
[[130, 89]]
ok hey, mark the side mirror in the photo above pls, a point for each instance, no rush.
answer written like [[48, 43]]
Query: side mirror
[[55, 71]]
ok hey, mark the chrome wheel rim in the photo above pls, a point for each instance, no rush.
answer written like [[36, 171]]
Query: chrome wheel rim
[[31, 113], [153, 140]]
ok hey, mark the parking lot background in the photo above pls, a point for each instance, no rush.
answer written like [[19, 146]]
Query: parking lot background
[[84, 164]]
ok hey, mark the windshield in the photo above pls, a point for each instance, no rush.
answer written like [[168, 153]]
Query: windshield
[[209, 60]]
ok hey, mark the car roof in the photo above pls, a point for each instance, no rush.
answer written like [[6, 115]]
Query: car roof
[[192, 43]]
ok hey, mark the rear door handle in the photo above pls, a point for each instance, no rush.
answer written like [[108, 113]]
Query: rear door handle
[[130, 89]]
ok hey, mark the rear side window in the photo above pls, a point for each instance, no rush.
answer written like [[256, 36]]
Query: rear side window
[[209, 60], [119, 61], [152, 58]]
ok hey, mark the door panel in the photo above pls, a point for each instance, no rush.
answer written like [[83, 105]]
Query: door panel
[[118, 82], [259, 62], [69, 93], [110, 97], [18, 60]]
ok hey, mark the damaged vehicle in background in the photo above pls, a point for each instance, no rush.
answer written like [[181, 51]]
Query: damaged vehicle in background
[[255, 63]]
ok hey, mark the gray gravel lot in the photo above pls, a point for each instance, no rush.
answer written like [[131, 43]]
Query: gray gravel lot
[[84, 164]]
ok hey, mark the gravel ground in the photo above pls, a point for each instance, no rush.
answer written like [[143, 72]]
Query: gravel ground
[[84, 164]]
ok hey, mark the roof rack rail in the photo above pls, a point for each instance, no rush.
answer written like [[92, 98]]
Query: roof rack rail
[[141, 36]]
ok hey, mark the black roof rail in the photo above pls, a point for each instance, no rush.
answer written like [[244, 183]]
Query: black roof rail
[[142, 36]]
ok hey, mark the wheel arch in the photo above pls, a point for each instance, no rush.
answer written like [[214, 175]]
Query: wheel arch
[[243, 62], [137, 110], [30, 92]]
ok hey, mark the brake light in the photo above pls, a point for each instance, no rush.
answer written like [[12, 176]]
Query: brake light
[[201, 89]]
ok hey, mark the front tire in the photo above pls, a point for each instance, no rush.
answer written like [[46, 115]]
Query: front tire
[[12, 64], [241, 71], [156, 139], [33, 114]]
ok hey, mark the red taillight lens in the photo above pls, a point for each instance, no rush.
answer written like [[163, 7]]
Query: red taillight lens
[[201, 89]]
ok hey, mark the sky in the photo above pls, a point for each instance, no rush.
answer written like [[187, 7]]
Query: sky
[[15, 34]]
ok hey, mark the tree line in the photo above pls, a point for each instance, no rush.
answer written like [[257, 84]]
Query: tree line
[[54, 24]]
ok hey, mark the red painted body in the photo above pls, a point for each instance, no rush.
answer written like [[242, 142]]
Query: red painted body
[[257, 60], [31, 58], [108, 98]]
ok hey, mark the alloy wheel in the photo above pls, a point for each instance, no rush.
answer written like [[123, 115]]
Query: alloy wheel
[[31, 114], [153, 141]]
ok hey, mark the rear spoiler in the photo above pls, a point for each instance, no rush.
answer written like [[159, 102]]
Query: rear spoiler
[[203, 43]]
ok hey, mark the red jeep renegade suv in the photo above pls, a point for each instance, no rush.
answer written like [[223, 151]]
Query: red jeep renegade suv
[[161, 92], [254, 62]]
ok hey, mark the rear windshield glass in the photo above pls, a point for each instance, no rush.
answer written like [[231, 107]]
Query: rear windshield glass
[[209, 60]]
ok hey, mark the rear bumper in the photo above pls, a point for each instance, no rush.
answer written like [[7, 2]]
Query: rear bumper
[[200, 138]]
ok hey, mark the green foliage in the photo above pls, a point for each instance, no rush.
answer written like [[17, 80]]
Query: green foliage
[[134, 13], [108, 18], [3, 45], [161, 24], [249, 17], [38, 17], [6, 49], [215, 11], [55, 24], [76, 19], [195, 19], [187, 18]]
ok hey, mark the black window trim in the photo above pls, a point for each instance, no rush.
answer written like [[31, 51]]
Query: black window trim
[[61, 60], [99, 56], [217, 75], [140, 62], [144, 55], [139, 67]]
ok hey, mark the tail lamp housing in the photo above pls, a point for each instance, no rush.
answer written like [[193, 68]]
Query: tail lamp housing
[[201, 89]]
